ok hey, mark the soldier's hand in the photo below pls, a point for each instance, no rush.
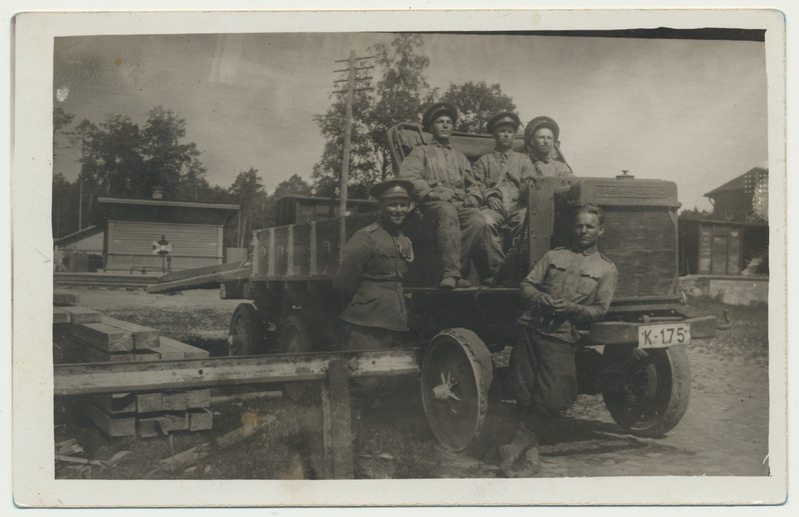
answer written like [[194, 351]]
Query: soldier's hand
[[546, 301], [472, 201], [564, 307], [495, 203], [444, 193]]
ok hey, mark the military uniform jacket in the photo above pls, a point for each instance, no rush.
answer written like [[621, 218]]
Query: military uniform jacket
[[504, 175], [436, 165], [586, 278], [370, 278], [552, 165]]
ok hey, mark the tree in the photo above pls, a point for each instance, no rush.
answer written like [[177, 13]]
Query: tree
[[167, 162], [248, 191], [398, 95], [122, 159], [476, 102]]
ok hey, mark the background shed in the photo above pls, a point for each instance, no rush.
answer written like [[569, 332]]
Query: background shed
[[134, 227]]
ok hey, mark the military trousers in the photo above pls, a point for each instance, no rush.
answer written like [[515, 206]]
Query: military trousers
[[543, 374], [459, 233], [500, 227], [363, 338]]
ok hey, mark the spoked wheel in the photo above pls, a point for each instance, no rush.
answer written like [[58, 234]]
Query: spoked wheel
[[247, 332], [649, 390], [295, 338], [456, 375]]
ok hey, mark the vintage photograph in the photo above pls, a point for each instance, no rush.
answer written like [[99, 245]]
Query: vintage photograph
[[479, 256]]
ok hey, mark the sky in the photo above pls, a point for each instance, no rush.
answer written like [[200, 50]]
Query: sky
[[690, 111]]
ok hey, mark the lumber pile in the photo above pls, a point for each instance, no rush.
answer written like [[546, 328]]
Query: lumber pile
[[85, 335]]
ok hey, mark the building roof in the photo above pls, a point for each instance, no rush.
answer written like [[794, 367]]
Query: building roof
[[76, 236], [745, 182], [107, 208], [161, 202]]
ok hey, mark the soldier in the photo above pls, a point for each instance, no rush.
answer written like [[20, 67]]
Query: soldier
[[369, 278], [502, 175], [566, 288], [447, 194], [541, 138]]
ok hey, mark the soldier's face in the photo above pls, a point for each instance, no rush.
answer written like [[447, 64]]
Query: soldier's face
[[587, 230], [394, 210], [543, 140], [503, 136], [442, 128]]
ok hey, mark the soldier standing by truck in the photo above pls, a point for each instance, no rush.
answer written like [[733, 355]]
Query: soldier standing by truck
[[448, 195], [541, 138], [566, 288], [503, 175], [369, 279]]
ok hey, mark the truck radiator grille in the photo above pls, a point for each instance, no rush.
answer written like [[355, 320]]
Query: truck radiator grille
[[642, 244]]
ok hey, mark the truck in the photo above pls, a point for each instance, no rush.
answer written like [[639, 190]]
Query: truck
[[635, 357]]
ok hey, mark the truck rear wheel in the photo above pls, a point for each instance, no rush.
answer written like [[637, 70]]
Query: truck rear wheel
[[247, 332], [295, 338], [456, 376], [652, 394]]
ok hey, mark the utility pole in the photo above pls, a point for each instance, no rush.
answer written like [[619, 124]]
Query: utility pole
[[352, 78]]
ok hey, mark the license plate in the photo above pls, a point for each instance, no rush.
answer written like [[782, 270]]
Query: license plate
[[667, 334]]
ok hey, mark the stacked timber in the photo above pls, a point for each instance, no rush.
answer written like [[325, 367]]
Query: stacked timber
[[85, 335]]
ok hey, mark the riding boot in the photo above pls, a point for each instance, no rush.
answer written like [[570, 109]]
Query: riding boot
[[519, 458]]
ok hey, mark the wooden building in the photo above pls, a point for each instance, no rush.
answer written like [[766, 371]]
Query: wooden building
[[743, 199], [154, 234], [734, 239], [80, 251]]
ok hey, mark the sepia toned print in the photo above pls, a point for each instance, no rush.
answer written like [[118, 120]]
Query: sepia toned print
[[402, 255]]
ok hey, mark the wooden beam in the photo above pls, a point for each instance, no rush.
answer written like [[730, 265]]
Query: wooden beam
[[143, 337], [60, 316], [186, 351], [212, 280], [103, 336], [62, 297], [336, 414], [82, 379], [82, 315]]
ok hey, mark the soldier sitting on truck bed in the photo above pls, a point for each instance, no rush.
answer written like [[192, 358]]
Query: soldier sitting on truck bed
[[447, 194], [502, 175], [541, 138], [567, 287]]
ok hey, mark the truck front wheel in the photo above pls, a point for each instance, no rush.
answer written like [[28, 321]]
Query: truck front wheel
[[247, 331], [647, 391], [295, 338]]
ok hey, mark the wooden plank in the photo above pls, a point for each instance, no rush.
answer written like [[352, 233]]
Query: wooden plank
[[104, 336], [115, 403], [79, 379], [200, 419], [199, 271], [62, 297], [199, 398], [211, 280], [61, 316], [175, 400], [92, 354], [176, 420], [143, 337], [149, 402], [83, 315], [189, 352], [147, 355], [111, 425], [149, 427], [336, 414]]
